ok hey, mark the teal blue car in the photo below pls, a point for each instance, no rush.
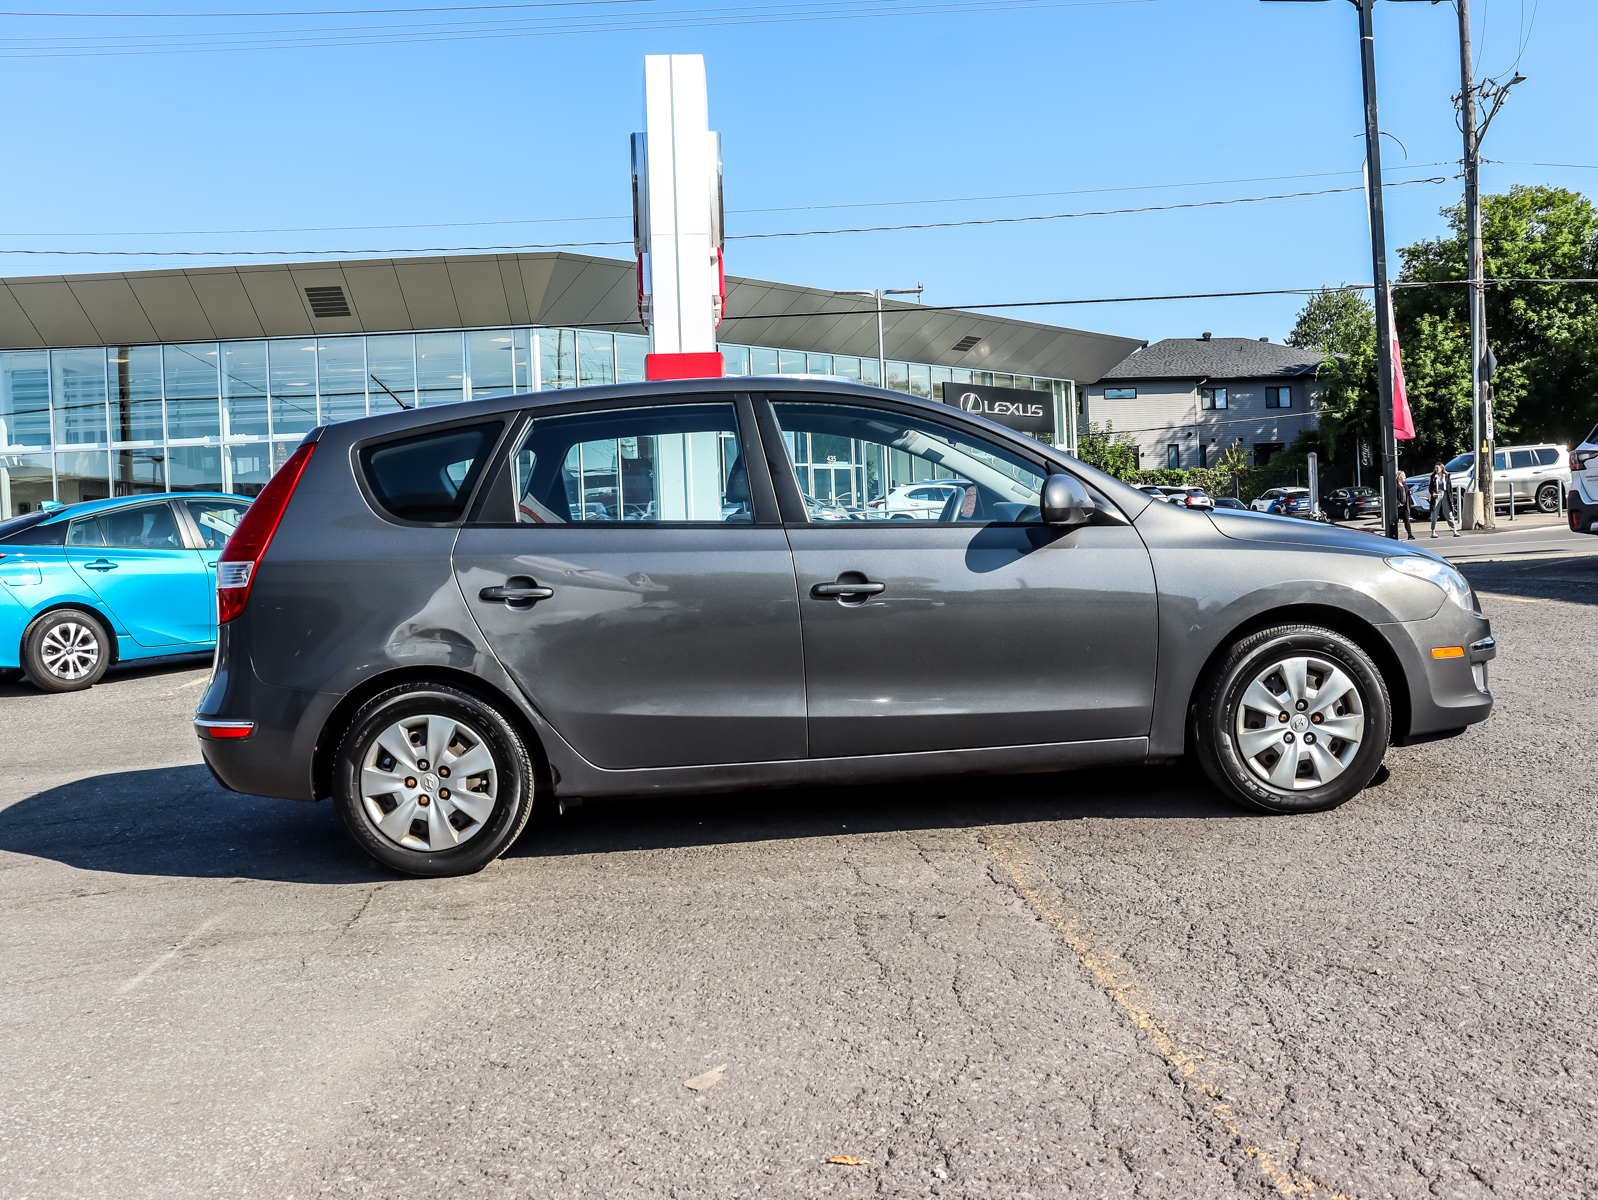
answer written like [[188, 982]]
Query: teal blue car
[[86, 586]]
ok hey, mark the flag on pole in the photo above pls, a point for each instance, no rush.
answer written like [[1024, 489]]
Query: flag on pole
[[1403, 420]]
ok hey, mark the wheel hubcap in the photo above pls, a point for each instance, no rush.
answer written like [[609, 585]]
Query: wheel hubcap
[[402, 782], [70, 650], [1300, 723]]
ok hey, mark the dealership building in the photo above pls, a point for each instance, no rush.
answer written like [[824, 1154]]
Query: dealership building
[[205, 379]]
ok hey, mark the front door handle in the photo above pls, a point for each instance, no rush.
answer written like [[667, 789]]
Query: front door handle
[[824, 590], [516, 594], [101, 564]]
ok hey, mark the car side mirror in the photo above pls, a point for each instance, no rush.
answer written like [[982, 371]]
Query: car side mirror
[[1065, 501]]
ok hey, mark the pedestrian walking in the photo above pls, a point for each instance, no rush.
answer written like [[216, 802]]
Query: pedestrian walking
[[1438, 487], [1404, 510]]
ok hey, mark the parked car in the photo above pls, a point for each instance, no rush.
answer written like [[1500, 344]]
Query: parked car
[[915, 501], [1271, 500], [1187, 496], [1230, 502], [88, 585], [1351, 503], [1539, 474], [395, 639], [1584, 485], [825, 510], [1298, 504]]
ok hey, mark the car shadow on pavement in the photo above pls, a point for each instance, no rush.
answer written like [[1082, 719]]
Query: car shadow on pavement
[[1572, 579], [964, 802], [179, 821], [13, 683]]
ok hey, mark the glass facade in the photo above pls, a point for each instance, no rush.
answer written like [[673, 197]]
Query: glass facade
[[89, 423]]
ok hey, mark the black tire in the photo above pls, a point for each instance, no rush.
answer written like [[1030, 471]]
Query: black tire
[[66, 650], [1221, 699], [1548, 498], [481, 841]]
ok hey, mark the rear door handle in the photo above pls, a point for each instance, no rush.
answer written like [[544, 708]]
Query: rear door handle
[[101, 564], [516, 593], [823, 590]]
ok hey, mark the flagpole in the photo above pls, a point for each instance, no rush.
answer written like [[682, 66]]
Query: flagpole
[[1384, 310]]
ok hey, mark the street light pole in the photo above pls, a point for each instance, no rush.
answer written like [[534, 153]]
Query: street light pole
[[877, 294]]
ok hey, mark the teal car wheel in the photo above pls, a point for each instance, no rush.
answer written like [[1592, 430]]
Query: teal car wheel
[[66, 651]]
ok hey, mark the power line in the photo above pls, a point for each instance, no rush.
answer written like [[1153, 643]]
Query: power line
[[730, 237]]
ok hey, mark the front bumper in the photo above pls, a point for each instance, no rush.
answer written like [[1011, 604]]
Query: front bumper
[[1449, 692]]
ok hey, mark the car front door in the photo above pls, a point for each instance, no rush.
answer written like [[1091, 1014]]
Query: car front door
[[665, 633], [135, 560], [214, 521], [986, 629]]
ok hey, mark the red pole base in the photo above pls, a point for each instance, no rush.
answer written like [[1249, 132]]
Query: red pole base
[[701, 365]]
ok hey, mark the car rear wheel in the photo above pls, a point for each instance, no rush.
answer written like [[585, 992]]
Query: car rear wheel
[[1548, 498], [1293, 719], [431, 781], [66, 650]]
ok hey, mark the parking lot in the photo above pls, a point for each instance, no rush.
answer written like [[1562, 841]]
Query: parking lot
[[1109, 983]]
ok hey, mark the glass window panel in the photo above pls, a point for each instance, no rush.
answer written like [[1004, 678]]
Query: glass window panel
[[898, 376], [630, 351], [193, 408], [244, 396], [790, 362], [871, 372], [1004, 380], [82, 475], [676, 462], [440, 371], [143, 527], [195, 468], [138, 472], [557, 356], [292, 374], [341, 377], [391, 372], [524, 371], [26, 481], [492, 361], [848, 368], [217, 520], [762, 361], [25, 399], [134, 375], [77, 386], [596, 359], [960, 375], [997, 486], [735, 359], [820, 364], [250, 468], [921, 380], [940, 375]]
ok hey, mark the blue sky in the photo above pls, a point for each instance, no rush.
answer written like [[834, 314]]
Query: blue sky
[[877, 110]]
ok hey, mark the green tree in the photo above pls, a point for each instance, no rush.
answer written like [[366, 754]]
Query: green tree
[[1107, 450], [1544, 336], [1341, 325]]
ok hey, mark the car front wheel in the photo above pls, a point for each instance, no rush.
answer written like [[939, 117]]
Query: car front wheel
[[431, 781], [65, 651], [1293, 719]]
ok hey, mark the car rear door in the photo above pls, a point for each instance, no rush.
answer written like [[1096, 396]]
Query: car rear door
[[667, 635], [991, 629], [135, 560]]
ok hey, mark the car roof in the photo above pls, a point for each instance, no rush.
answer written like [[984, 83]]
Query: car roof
[[87, 508]]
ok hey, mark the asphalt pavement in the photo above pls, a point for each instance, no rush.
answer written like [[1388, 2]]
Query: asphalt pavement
[[1107, 983]]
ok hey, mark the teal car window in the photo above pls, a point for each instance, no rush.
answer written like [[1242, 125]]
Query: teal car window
[[216, 519], [145, 527], [85, 533]]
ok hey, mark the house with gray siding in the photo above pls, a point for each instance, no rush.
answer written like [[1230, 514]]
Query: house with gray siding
[[1186, 401]]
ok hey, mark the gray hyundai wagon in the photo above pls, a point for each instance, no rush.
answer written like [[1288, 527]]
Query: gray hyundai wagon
[[440, 617]]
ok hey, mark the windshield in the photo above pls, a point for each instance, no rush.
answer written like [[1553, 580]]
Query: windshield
[[1462, 463]]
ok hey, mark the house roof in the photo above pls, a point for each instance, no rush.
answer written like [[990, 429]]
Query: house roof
[[1215, 358]]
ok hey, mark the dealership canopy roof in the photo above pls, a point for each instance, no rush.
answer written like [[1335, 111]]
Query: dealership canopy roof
[[472, 291]]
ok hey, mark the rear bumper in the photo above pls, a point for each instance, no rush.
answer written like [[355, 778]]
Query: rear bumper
[[1445, 694]]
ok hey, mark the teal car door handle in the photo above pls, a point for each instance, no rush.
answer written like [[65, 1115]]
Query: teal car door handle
[[100, 564]]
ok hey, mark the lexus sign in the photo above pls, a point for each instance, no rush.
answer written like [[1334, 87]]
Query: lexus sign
[[1030, 412]]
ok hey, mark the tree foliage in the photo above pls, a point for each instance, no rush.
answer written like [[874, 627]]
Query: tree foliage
[[1107, 450]]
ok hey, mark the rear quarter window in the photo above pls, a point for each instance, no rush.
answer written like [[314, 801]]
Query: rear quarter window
[[1547, 456], [429, 477]]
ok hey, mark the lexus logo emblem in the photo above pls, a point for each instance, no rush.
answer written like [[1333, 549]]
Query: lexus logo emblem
[[971, 402]]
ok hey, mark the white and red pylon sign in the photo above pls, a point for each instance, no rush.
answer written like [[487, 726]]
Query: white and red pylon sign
[[677, 229]]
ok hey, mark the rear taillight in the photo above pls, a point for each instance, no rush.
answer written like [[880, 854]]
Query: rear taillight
[[235, 570]]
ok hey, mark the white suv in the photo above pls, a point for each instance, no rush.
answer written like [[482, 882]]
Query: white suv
[[1584, 486], [1539, 474], [915, 501]]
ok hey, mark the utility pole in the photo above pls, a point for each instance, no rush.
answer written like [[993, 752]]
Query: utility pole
[[1481, 420], [877, 294]]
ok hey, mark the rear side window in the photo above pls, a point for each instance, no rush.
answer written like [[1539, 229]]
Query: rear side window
[[429, 477], [1547, 456]]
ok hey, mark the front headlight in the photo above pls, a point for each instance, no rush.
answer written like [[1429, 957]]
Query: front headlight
[[1440, 573]]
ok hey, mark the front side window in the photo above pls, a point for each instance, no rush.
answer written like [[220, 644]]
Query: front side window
[[1278, 397], [1213, 397], [666, 463], [217, 520], [429, 477], [848, 459]]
